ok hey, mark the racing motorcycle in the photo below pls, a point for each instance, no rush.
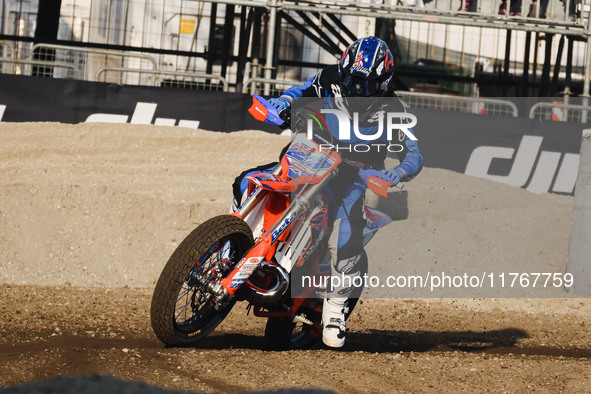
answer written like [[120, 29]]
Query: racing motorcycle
[[252, 254]]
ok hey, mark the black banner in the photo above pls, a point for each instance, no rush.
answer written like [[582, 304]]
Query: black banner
[[539, 156], [31, 99]]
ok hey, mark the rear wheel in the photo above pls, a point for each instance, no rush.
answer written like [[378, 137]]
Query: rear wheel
[[284, 334], [182, 310]]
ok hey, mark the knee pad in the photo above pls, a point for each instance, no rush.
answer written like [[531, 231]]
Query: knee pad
[[349, 265]]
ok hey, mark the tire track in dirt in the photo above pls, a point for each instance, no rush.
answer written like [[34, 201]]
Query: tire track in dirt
[[108, 333]]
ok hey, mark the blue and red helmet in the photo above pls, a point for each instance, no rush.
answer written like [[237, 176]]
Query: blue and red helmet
[[366, 67]]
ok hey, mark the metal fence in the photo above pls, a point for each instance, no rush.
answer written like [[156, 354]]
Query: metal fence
[[88, 60], [186, 80], [34, 65], [473, 105], [140, 69], [6, 49], [268, 87], [488, 106], [556, 16], [97, 65], [560, 112], [37, 68]]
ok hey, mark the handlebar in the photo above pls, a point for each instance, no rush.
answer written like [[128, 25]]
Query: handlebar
[[377, 181]]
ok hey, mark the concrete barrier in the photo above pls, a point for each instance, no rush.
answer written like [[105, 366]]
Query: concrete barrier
[[579, 251]]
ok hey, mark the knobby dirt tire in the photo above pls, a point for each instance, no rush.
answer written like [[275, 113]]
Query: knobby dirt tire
[[180, 265]]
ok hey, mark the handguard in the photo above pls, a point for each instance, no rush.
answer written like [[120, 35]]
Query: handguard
[[377, 181], [263, 111]]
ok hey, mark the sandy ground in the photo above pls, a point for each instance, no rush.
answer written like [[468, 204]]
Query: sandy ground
[[90, 214]]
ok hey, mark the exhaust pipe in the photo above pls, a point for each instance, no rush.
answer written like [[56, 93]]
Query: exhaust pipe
[[259, 295]]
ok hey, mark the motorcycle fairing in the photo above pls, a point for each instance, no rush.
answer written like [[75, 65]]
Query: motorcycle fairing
[[270, 182], [312, 165], [245, 267], [305, 158]]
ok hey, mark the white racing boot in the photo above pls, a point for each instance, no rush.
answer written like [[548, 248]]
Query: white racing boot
[[333, 322], [335, 304]]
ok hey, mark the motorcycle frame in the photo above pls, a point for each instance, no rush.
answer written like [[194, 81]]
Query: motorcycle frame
[[266, 244]]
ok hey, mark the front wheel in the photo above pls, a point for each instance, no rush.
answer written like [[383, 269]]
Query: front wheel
[[182, 310]]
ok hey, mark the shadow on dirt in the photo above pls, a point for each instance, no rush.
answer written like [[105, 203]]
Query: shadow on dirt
[[381, 341], [231, 341], [496, 342], [97, 384]]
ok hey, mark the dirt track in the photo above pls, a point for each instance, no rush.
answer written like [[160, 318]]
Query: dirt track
[[90, 213], [403, 346]]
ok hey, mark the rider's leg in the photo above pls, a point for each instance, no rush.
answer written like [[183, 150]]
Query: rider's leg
[[347, 247]]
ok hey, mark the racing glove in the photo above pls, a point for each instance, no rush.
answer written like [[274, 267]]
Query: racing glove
[[395, 174], [280, 103]]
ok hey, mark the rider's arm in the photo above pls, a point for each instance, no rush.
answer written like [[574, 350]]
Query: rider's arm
[[314, 87], [288, 97], [412, 163], [295, 92]]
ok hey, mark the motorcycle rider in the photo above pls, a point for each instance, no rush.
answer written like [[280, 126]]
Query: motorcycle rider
[[365, 70]]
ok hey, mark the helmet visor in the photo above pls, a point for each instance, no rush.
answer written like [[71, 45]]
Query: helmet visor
[[360, 87]]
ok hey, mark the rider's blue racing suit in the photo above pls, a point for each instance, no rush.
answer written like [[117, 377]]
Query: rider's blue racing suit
[[347, 189]]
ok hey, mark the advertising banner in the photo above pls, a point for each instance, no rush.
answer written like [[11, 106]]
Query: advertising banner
[[33, 99], [541, 156]]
